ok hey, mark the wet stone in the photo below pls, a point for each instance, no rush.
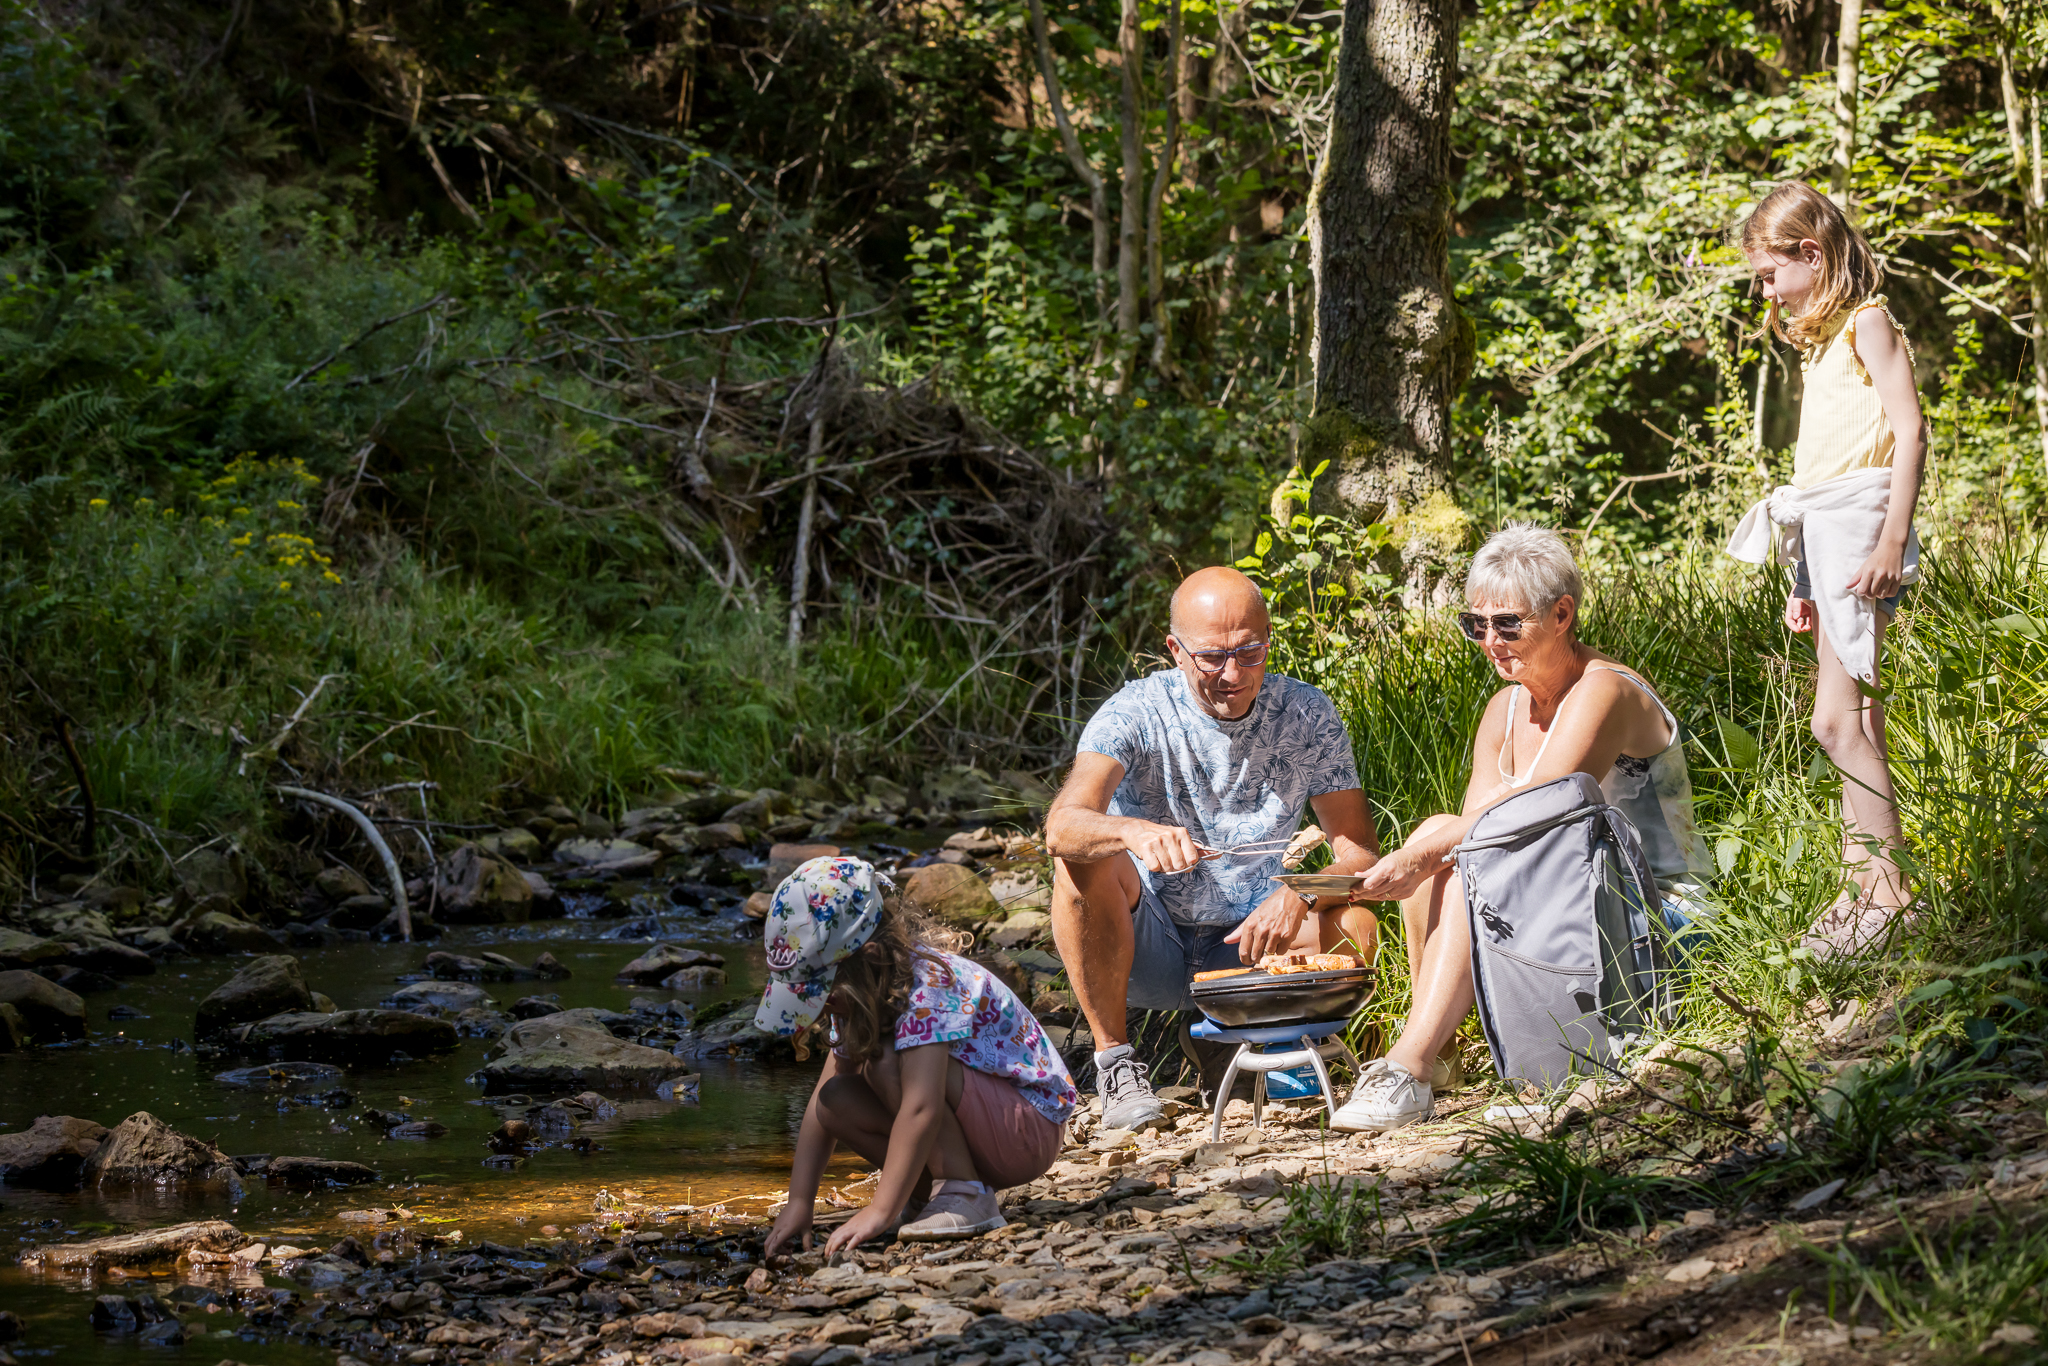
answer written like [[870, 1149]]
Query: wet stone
[[318, 1171]]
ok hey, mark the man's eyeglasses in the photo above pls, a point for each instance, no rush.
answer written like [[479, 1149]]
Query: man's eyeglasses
[[1508, 626], [1213, 661]]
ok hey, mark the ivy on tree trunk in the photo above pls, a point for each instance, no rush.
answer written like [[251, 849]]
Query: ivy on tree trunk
[[1391, 347]]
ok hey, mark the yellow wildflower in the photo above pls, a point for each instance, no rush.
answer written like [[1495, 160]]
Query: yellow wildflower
[[97, 503]]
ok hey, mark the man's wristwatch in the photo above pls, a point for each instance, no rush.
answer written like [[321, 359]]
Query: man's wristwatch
[[1309, 900]]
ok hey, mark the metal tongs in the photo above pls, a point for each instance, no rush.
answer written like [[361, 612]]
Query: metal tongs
[[1256, 849]]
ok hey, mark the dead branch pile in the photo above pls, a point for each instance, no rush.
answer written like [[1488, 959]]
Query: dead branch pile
[[828, 492]]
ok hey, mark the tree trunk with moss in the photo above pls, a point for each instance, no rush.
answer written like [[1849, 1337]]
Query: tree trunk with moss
[[1391, 346]]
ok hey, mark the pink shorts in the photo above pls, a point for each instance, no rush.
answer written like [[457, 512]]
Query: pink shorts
[[1011, 1142]]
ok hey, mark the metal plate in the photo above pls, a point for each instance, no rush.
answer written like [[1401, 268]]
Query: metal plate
[[1322, 884]]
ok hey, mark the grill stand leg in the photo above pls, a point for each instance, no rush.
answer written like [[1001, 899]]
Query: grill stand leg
[[1223, 1093]]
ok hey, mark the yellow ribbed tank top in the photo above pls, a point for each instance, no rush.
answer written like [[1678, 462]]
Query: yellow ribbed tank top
[[1842, 425]]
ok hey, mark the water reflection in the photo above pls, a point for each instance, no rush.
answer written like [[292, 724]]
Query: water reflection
[[731, 1147]]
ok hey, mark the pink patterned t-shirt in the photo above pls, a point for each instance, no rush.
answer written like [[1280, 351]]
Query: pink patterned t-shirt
[[958, 1002]]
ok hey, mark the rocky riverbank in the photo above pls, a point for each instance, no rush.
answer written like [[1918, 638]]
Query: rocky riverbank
[[1156, 1247], [699, 852]]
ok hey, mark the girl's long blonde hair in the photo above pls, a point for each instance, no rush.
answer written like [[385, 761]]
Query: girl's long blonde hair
[[1795, 212]]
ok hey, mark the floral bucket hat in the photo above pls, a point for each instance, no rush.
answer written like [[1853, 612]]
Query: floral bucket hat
[[822, 914]]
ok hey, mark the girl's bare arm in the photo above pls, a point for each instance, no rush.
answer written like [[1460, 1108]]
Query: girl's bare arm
[[1884, 355], [814, 1149]]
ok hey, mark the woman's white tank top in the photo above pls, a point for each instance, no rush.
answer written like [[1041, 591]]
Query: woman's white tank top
[[1654, 793]]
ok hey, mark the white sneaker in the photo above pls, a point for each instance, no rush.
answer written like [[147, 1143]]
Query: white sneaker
[[1387, 1096], [960, 1209]]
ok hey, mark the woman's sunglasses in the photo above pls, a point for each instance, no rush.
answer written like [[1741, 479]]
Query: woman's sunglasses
[[1507, 625]]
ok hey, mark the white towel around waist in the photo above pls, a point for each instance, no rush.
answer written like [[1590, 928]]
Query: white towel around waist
[[1833, 526]]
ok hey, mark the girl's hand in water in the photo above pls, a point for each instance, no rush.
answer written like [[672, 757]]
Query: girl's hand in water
[[857, 1230], [1799, 615], [793, 1224]]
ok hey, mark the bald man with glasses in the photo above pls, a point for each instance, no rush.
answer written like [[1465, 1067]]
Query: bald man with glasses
[[1209, 755]]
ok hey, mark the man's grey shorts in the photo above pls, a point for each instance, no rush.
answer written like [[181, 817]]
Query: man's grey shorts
[[1166, 955]]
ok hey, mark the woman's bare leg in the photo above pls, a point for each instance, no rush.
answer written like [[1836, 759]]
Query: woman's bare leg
[[1850, 727], [1440, 970]]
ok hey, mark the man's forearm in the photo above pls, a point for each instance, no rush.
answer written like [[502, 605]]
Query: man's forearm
[[1084, 836]]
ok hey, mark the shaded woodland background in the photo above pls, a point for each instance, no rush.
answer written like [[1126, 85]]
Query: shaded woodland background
[[596, 390]]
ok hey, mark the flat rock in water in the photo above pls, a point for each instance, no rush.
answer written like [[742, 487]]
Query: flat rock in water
[[602, 853], [491, 967], [550, 1053], [269, 985], [50, 1152], [693, 979], [664, 959], [414, 1130], [281, 1074], [142, 1150], [453, 997], [318, 1171], [734, 1036], [134, 1249], [49, 1011], [370, 1036]]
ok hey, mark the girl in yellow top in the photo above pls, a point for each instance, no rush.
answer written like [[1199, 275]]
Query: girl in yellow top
[[1860, 415]]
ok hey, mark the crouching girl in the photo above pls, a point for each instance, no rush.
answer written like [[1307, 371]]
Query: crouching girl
[[937, 1072]]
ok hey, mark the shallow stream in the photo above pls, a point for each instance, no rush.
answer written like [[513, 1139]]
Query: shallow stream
[[732, 1146]]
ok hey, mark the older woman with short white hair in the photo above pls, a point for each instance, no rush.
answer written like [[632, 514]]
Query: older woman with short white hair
[[1566, 708]]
